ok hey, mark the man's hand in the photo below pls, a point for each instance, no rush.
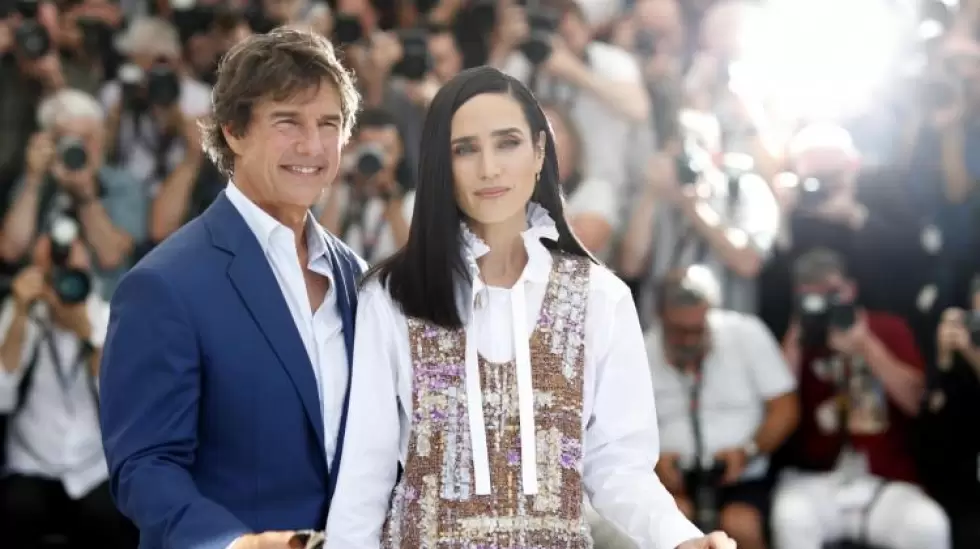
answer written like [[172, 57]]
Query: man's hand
[[714, 540], [952, 335], [80, 183], [40, 152], [562, 63], [852, 341], [27, 287], [268, 540], [72, 316], [842, 208], [670, 474], [735, 461]]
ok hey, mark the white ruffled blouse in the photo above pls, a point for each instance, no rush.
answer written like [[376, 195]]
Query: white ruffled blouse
[[618, 416]]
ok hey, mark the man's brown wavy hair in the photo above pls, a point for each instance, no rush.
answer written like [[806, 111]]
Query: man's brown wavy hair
[[279, 65]]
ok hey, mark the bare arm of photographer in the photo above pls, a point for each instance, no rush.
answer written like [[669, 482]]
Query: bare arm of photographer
[[395, 216], [733, 245], [112, 123], [892, 356], [958, 182], [27, 287], [379, 57], [624, 95], [20, 224], [169, 208], [638, 241], [111, 244]]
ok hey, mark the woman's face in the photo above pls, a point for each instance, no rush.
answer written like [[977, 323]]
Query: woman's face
[[496, 159], [564, 147]]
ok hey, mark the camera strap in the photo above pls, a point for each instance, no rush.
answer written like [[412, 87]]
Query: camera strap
[[67, 376], [697, 383]]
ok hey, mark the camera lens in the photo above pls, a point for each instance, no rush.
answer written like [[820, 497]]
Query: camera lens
[[71, 285], [162, 86], [370, 160], [32, 39], [71, 152], [415, 62]]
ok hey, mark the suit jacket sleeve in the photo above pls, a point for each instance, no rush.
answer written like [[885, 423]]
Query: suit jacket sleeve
[[150, 383]]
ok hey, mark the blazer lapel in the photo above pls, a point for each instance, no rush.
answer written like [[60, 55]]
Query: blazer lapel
[[255, 282]]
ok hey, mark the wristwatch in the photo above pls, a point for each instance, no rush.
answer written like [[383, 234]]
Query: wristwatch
[[751, 449]]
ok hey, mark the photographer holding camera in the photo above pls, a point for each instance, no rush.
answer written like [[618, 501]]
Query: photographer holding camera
[[725, 401], [372, 209], [65, 174], [51, 331], [151, 102], [31, 68], [948, 451], [830, 201], [852, 474], [694, 211]]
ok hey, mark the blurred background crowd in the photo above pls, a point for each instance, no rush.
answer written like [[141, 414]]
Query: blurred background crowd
[[789, 187]]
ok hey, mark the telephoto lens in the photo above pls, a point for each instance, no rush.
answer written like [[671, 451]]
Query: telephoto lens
[[162, 86], [370, 160], [71, 285], [72, 153], [32, 39]]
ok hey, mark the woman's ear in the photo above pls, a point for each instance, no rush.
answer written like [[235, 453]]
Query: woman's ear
[[539, 148]]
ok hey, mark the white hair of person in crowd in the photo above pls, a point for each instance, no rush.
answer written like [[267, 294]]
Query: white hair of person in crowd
[[67, 105], [148, 38]]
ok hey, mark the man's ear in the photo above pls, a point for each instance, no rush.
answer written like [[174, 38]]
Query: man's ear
[[234, 143]]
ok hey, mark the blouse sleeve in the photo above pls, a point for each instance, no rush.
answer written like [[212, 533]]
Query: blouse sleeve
[[622, 441]]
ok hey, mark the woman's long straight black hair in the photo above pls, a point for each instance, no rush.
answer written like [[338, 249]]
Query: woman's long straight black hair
[[422, 276]]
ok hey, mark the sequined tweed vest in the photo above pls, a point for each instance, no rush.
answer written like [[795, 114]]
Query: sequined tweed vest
[[434, 504]]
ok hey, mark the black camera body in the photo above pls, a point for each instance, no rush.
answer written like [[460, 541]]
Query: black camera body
[[818, 312], [370, 160], [645, 43], [32, 39], [703, 484], [543, 24], [973, 325], [814, 192], [416, 61], [162, 86]]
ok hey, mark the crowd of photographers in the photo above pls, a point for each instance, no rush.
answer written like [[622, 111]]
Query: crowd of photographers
[[808, 283]]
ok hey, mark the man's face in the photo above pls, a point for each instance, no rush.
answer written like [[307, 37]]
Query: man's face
[[282, 11], [385, 138], [446, 59], [685, 333], [290, 151]]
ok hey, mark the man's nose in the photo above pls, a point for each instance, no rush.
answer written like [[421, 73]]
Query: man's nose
[[311, 144]]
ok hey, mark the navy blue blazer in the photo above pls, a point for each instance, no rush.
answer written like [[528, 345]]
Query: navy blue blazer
[[209, 406]]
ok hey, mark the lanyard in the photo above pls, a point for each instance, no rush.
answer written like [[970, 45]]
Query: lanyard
[[695, 415], [67, 376]]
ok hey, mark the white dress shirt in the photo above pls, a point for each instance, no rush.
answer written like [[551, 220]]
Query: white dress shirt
[[618, 415], [744, 369], [56, 433], [322, 331]]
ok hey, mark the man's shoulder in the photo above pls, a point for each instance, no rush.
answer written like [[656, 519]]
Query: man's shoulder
[[887, 326], [189, 246]]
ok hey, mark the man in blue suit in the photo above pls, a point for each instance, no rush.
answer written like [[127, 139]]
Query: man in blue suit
[[225, 372]]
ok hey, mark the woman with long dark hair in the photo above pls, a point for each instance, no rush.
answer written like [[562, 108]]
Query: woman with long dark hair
[[499, 371]]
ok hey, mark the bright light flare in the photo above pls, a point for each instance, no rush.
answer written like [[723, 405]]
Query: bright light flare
[[820, 57]]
